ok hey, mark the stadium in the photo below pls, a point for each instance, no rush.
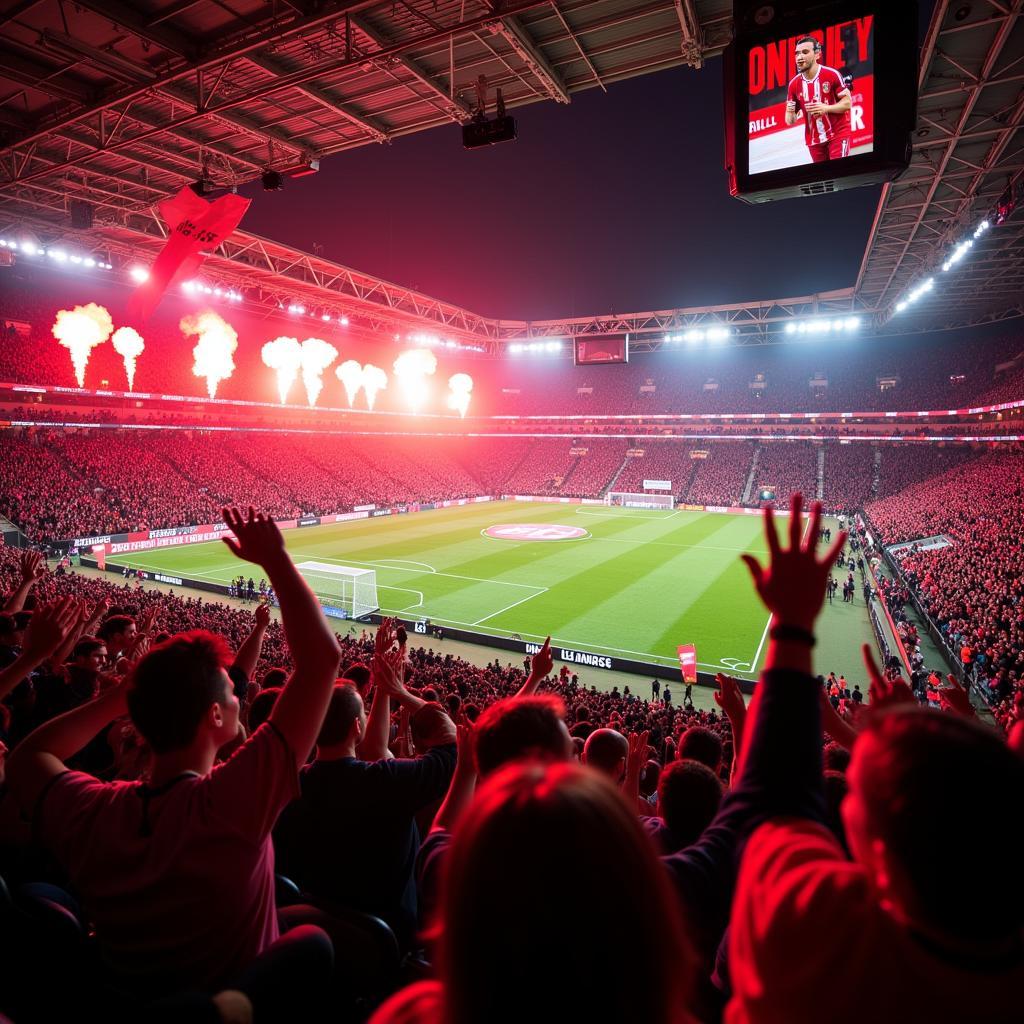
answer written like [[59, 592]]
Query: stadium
[[357, 548]]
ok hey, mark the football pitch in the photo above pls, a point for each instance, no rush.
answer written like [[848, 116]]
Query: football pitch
[[629, 583]]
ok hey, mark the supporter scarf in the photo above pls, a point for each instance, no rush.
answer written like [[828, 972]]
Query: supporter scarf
[[196, 228]]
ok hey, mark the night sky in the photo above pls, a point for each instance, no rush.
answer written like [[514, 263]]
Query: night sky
[[616, 202]]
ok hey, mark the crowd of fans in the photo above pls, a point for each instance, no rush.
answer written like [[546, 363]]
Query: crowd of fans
[[167, 754], [57, 484], [786, 468], [660, 460], [969, 583], [722, 474]]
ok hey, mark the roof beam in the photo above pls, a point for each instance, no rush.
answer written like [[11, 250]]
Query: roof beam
[[522, 43], [371, 127], [166, 37], [454, 107], [282, 84]]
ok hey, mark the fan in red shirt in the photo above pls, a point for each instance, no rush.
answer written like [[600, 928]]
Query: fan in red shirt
[[823, 96]]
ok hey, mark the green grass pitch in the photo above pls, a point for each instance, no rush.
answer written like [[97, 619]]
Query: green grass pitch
[[637, 585]]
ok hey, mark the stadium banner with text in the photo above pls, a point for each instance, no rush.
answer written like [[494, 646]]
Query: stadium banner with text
[[158, 577], [309, 521], [657, 485], [547, 498], [570, 655], [688, 662]]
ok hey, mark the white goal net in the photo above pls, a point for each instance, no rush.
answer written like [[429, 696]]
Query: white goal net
[[626, 499], [342, 587]]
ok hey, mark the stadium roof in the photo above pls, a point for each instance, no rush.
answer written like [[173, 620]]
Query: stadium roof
[[120, 105], [968, 151]]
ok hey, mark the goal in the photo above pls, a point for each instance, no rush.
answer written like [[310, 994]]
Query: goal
[[342, 588], [626, 499]]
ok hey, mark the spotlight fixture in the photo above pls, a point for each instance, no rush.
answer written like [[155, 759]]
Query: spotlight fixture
[[203, 186], [272, 181]]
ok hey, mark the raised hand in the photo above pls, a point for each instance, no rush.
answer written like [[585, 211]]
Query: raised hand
[[32, 565], [465, 745], [729, 697], [140, 649], [542, 662], [257, 538], [50, 627], [793, 585], [954, 698], [262, 615], [388, 665], [884, 692], [147, 621]]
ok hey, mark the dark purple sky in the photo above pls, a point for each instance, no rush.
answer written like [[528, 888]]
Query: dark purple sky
[[617, 201]]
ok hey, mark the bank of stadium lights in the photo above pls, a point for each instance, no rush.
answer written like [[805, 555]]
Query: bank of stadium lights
[[824, 325], [198, 288], [965, 247], [922, 289], [433, 341], [958, 253], [57, 255], [694, 335], [517, 348]]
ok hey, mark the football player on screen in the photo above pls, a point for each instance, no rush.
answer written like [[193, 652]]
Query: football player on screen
[[822, 95]]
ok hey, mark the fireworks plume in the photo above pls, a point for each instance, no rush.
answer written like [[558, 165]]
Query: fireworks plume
[[350, 373], [374, 380], [215, 350], [285, 356], [80, 330], [128, 344], [412, 368], [461, 387], [317, 355]]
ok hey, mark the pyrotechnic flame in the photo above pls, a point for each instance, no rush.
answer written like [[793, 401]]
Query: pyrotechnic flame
[[80, 330], [128, 344], [350, 373], [374, 380], [285, 356], [317, 355], [214, 353], [461, 386], [411, 367]]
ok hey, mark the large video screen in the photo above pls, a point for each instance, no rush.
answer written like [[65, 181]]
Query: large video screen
[[811, 97], [591, 351]]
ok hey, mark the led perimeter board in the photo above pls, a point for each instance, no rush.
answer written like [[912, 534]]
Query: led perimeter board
[[819, 97]]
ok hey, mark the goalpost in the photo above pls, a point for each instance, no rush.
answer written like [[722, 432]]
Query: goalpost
[[342, 587], [629, 499]]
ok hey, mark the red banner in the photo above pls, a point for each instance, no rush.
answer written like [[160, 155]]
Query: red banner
[[688, 662], [100, 551], [196, 229]]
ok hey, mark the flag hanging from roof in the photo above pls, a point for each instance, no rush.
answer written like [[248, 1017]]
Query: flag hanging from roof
[[195, 228]]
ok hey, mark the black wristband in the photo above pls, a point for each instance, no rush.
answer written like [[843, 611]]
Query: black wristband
[[792, 634]]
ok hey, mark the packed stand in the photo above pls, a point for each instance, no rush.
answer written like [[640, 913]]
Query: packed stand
[[849, 475], [785, 468], [661, 460], [592, 472], [721, 476], [970, 586]]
